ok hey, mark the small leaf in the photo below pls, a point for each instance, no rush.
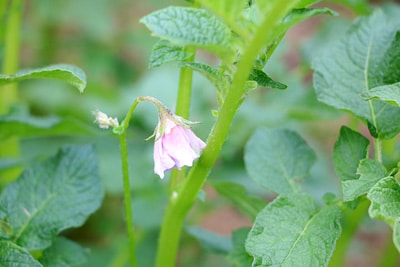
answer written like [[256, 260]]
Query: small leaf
[[185, 26], [238, 255], [210, 240], [291, 231], [370, 171], [264, 80], [12, 255], [278, 159], [53, 195], [249, 205], [64, 253], [163, 52], [387, 93], [385, 198], [368, 56], [220, 82], [349, 149], [299, 14], [67, 73]]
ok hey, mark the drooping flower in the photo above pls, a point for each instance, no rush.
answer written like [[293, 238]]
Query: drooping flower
[[103, 120], [175, 145]]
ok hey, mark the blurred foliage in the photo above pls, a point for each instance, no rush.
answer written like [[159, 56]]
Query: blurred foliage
[[105, 39]]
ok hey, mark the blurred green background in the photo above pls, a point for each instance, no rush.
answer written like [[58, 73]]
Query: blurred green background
[[105, 39]]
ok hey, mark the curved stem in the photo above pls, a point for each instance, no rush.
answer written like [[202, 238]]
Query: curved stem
[[127, 198], [180, 205]]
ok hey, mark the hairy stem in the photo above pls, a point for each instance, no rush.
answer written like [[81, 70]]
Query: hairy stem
[[8, 93], [179, 205], [128, 199]]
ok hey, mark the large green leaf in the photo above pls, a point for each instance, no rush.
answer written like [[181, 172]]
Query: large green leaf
[[292, 231], [185, 26], [249, 205], [370, 171], [26, 125], [163, 52], [367, 56], [349, 149], [385, 198], [64, 253], [53, 195], [67, 73], [11, 255], [278, 159]]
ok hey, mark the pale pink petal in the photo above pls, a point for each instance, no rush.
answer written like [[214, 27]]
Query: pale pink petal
[[162, 162], [177, 145]]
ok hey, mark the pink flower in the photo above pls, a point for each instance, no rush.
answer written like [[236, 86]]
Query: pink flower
[[175, 146]]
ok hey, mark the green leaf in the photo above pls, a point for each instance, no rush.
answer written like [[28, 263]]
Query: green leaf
[[385, 198], [349, 149], [210, 240], [25, 125], [12, 255], [238, 255], [299, 14], [291, 231], [163, 52], [278, 159], [185, 26], [387, 93], [370, 171], [368, 56], [64, 253], [217, 78], [67, 73], [248, 205], [53, 195], [264, 80]]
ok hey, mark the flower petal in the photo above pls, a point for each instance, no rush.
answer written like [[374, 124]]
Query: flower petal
[[162, 161]]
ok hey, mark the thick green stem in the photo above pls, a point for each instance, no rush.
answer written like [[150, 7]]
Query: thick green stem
[[180, 204], [8, 93], [127, 198]]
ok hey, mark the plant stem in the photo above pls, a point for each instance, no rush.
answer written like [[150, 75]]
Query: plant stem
[[179, 206], [351, 221], [8, 93], [183, 110], [127, 198]]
